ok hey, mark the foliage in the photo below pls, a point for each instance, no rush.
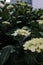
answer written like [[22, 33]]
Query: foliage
[[19, 23]]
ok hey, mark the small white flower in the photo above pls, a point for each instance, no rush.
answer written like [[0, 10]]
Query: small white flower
[[11, 12], [5, 22], [0, 17], [10, 6]]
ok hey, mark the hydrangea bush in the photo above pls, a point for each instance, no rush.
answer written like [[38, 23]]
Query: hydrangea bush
[[21, 39]]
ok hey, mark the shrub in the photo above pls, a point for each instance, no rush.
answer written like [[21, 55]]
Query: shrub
[[19, 27]]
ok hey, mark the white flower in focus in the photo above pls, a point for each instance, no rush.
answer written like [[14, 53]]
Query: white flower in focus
[[21, 32], [35, 44]]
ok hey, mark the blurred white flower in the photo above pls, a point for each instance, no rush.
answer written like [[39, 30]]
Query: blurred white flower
[[10, 6], [1, 5], [40, 21], [0, 18], [5, 22]]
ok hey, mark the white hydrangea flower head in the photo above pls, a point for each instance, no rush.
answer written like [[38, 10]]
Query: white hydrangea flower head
[[35, 44], [21, 32]]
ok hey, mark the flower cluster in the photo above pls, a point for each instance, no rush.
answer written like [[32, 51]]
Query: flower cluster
[[40, 22], [10, 6], [21, 32], [35, 45]]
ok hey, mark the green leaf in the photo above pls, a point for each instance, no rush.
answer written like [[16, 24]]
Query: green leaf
[[30, 58], [40, 58], [5, 54]]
